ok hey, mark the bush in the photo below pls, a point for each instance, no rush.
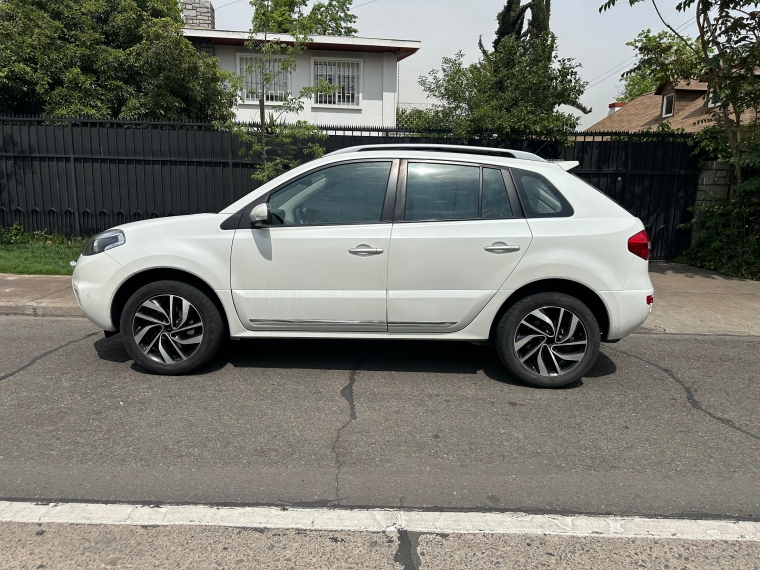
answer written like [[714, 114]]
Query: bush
[[17, 235], [728, 233]]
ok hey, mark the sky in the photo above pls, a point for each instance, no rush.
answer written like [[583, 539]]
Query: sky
[[596, 41]]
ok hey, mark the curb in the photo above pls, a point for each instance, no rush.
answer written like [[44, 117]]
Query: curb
[[40, 309]]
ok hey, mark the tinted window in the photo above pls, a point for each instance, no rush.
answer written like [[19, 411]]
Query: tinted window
[[441, 192], [345, 194], [495, 199], [540, 198]]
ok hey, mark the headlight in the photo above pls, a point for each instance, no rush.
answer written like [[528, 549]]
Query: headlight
[[103, 242]]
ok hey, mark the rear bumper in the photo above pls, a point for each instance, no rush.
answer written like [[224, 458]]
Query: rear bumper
[[628, 310]]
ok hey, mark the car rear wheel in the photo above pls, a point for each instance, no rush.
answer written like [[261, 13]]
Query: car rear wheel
[[171, 328], [548, 340]]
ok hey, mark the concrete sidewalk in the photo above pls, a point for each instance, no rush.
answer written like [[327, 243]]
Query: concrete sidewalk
[[687, 300], [37, 296]]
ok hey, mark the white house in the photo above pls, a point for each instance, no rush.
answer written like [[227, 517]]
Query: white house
[[366, 69]]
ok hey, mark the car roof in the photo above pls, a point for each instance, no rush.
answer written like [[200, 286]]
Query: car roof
[[443, 149]]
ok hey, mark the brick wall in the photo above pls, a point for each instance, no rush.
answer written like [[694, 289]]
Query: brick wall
[[199, 14], [714, 181]]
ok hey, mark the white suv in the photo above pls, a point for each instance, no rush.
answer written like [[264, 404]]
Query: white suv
[[383, 242]]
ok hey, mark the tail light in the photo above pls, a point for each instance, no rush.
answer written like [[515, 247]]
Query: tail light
[[639, 245], [650, 300]]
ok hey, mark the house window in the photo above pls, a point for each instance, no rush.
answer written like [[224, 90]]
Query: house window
[[250, 69], [346, 75], [668, 103]]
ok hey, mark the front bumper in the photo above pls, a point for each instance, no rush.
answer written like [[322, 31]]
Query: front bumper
[[95, 281]]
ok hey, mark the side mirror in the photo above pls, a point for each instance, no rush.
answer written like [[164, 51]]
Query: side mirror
[[260, 216]]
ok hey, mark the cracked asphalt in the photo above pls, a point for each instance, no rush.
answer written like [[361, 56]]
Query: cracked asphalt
[[664, 425]]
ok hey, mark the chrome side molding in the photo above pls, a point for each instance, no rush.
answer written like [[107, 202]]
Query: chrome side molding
[[319, 325]]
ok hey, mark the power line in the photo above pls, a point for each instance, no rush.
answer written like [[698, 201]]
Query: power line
[[228, 4], [238, 1], [365, 4], [612, 71]]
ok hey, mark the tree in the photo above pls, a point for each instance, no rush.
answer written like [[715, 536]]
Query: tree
[[278, 16], [516, 89], [662, 57], [332, 18], [512, 20], [116, 58], [328, 18], [540, 11], [277, 145], [728, 56]]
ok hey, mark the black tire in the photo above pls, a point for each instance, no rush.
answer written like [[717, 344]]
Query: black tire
[[557, 371], [186, 354]]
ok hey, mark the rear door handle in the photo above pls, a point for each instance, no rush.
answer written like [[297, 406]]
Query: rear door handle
[[502, 248], [365, 250]]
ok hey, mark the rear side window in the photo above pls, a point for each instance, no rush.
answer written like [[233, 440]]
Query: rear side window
[[495, 199], [539, 197], [441, 192]]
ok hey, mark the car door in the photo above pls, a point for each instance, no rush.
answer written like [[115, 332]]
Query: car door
[[322, 264], [458, 234]]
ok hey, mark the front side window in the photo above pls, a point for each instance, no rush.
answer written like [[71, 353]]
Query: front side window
[[539, 197], [345, 194], [668, 105], [345, 75], [253, 70], [441, 192]]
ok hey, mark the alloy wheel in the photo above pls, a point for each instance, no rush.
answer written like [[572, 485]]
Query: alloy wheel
[[550, 341], [167, 329]]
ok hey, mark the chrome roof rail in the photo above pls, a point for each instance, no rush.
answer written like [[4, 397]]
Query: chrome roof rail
[[446, 148]]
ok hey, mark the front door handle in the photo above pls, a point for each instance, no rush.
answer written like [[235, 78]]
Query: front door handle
[[365, 250], [500, 247]]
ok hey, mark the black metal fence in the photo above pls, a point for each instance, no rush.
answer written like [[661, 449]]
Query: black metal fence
[[81, 176]]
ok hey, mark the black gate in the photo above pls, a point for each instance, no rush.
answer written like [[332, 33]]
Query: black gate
[[84, 176]]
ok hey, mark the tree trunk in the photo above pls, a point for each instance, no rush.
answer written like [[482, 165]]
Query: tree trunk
[[262, 131]]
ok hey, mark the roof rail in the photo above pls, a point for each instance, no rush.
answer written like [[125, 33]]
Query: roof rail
[[457, 149]]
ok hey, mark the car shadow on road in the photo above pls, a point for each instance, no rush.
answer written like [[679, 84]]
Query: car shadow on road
[[427, 357]]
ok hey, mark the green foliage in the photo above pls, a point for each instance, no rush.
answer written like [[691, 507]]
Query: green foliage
[[516, 89], [727, 55], [419, 120], [37, 253], [728, 233], [326, 18], [540, 12], [277, 142], [711, 144], [107, 58], [662, 57], [511, 20], [286, 145], [332, 18], [15, 234]]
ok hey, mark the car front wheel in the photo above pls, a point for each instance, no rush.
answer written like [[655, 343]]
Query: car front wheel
[[171, 328], [548, 340]]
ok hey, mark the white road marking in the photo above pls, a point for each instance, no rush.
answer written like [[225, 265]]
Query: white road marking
[[379, 520]]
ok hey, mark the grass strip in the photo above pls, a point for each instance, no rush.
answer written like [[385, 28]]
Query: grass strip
[[40, 258]]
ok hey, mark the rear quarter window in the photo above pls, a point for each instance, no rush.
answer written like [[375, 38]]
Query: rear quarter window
[[539, 197]]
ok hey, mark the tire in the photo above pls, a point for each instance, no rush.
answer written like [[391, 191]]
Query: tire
[[171, 328], [535, 341]]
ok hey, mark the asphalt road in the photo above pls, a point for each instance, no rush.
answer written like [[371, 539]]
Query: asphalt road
[[665, 425]]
